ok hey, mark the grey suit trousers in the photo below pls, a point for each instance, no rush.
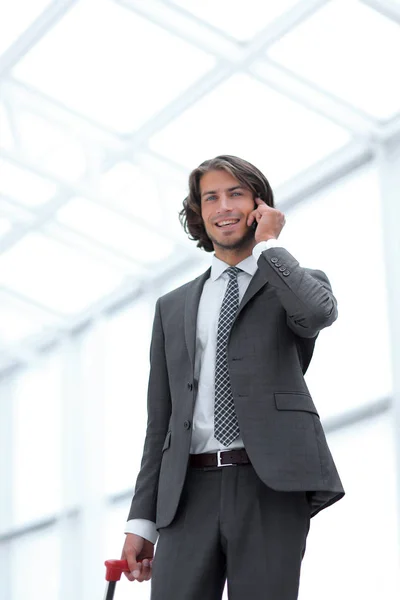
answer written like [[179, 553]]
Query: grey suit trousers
[[230, 526]]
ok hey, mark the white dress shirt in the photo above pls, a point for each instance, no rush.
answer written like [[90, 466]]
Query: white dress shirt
[[203, 439]]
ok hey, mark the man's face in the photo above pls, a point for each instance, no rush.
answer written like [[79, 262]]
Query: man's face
[[225, 206]]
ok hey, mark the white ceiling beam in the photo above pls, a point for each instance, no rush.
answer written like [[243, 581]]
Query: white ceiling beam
[[16, 355], [305, 93], [13, 210], [387, 8], [232, 57], [206, 37], [29, 349], [236, 55], [287, 196], [32, 308], [46, 213], [22, 96], [186, 27], [11, 123], [226, 66], [323, 174], [390, 133], [40, 26], [71, 238]]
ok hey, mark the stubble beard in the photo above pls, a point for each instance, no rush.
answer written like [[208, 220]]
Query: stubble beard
[[245, 241]]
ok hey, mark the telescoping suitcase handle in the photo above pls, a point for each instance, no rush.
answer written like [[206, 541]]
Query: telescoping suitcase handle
[[114, 570]]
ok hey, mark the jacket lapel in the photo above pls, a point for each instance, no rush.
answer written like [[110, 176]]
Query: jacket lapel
[[193, 299], [255, 285], [191, 308]]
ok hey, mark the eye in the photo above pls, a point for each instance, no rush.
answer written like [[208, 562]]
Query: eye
[[210, 198], [237, 194]]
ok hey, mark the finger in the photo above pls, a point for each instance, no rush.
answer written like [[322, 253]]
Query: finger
[[130, 555], [259, 201], [137, 572], [146, 571], [251, 217]]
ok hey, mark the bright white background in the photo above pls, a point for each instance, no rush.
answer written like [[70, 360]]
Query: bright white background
[[105, 107]]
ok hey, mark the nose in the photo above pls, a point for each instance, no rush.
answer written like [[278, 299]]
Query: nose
[[224, 203]]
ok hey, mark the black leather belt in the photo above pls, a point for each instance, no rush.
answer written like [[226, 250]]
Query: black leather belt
[[219, 459]]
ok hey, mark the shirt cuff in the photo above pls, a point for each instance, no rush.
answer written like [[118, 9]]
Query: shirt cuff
[[146, 529], [261, 246]]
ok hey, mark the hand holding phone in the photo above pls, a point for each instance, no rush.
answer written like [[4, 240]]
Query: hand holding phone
[[266, 221]]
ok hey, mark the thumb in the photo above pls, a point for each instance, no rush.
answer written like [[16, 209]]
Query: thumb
[[131, 551]]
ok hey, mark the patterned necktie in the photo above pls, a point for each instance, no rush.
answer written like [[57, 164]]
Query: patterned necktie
[[226, 427]]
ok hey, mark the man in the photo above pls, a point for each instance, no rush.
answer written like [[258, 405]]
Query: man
[[235, 460]]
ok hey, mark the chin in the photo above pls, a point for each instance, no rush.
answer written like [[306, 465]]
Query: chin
[[236, 242]]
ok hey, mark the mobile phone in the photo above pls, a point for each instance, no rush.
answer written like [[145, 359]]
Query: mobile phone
[[254, 224]]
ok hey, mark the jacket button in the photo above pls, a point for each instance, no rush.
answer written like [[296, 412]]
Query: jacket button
[[186, 424], [274, 259], [286, 273], [190, 386], [278, 264]]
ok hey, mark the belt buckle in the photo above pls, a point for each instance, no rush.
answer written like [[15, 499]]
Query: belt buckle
[[219, 464]]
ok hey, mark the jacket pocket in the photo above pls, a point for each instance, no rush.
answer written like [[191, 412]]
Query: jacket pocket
[[295, 401], [167, 441]]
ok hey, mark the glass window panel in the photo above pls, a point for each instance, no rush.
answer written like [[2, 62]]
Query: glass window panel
[[126, 376], [114, 230], [35, 566], [53, 147], [354, 543], [152, 190], [37, 439], [133, 190], [6, 137], [339, 231], [15, 326], [360, 68], [128, 82], [15, 17], [24, 186], [5, 226], [236, 18], [55, 275], [18, 322], [172, 196], [247, 118], [15, 212]]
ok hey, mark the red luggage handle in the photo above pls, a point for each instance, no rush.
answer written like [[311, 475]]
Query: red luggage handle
[[115, 568]]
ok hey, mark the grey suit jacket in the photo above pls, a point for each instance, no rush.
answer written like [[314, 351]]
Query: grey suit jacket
[[270, 347]]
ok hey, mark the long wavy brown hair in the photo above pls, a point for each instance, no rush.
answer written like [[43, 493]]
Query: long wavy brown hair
[[248, 175]]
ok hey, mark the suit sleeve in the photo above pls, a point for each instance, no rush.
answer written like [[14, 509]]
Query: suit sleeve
[[144, 501], [305, 294]]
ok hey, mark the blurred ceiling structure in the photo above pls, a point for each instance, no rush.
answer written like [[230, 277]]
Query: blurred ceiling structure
[[106, 106]]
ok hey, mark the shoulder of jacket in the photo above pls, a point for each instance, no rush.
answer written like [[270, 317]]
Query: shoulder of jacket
[[179, 292]]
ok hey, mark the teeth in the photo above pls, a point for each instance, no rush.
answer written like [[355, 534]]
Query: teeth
[[227, 222]]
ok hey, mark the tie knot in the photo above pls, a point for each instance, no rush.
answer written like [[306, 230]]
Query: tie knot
[[233, 272]]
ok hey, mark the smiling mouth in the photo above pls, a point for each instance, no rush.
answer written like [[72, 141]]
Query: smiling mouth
[[227, 224]]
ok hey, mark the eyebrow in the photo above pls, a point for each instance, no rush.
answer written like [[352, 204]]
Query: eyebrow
[[232, 189]]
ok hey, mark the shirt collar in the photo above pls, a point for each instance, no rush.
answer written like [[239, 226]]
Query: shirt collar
[[248, 265]]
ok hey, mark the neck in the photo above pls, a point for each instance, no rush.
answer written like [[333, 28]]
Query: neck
[[233, 256]]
